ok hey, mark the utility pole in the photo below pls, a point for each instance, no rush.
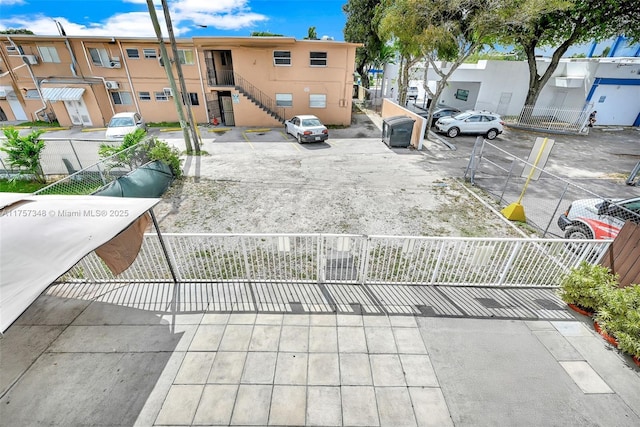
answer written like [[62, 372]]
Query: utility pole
[[167, 66], [183, 86]]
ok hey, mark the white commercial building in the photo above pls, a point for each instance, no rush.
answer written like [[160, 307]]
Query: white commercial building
[[611, 86]]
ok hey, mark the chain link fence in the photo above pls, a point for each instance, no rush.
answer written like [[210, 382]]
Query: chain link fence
[[95, 176], [552, 205]]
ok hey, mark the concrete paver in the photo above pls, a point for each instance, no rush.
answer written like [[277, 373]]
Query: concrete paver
[[437, 372], [216, 405], [323, 369], [359, 406], [585, 377], [323, 406], [291, 369], [259, 368], [288, 405]]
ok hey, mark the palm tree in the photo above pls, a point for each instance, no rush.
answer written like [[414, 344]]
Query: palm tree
[[312, 35]]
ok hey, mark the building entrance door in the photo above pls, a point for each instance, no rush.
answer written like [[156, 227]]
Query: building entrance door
[[78, 113]]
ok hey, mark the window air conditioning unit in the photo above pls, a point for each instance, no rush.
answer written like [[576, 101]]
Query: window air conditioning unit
[[30, 59], [111, 85], [114, 63], [167, 91]]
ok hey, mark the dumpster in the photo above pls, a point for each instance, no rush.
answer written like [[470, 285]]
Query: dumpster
[[397, 131]]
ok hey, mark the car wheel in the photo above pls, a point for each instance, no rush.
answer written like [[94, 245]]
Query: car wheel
[[492, 134], [299, 139], [286, 130], [453, 132], [578, 232]]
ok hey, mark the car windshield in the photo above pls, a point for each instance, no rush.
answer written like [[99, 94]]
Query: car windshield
[[311, 122], [462, 116], [117, 122]]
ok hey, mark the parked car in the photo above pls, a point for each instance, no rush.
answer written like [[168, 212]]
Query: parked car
[[306, 128], [412, 93], [124, 123], [474, 122], [598, 218], [440, 113]]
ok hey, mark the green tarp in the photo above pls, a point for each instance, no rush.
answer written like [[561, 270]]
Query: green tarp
[[148, 181]]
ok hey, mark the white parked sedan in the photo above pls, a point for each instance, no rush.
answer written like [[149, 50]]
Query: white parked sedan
[[477, 122], [306, 128], [124, 123]]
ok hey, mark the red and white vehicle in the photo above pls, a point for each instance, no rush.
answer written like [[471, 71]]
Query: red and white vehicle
[[598, 218]]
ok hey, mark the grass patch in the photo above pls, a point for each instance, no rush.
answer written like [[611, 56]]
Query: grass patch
[[19, 186], [164, 125], [40, 124]]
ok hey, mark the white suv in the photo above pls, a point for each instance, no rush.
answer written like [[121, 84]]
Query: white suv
[[476, 122]]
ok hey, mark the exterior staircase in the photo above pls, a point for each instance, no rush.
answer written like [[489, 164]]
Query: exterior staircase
[[259, 98]]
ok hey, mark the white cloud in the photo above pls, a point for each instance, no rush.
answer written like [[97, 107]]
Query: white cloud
[[10, 2], [135, 24], [185, 15]]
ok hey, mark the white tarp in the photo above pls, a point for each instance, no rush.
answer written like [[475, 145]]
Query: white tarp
[[41, 237]]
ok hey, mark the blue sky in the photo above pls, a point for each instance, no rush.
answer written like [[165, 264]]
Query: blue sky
[[130, 18]]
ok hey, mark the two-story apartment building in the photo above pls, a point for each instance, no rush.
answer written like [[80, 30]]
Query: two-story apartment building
[[235, 81]]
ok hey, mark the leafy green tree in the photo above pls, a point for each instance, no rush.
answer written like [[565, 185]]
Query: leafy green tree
[[444, 33], [362, 27], [16, 31], [23, 152], [571, 22], [265, 34]]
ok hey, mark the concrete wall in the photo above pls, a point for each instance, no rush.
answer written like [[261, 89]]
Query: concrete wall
[[391, 108]]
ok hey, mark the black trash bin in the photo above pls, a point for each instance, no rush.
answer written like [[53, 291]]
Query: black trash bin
[[397, 131]]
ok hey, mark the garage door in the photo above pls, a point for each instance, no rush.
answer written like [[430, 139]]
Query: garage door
[[617, 104]]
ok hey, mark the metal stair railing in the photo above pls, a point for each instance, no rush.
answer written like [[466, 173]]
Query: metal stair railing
[[260, 98], [248, 89]]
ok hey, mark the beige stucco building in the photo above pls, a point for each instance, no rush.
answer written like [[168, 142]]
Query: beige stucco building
[[234, 81]]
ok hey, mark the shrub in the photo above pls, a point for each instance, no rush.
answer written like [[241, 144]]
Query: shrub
[[586, 286], [160, 150], [127, 158], [619, 316], [24, 152]]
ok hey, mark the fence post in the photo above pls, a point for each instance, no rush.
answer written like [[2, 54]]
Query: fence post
[[555, 211], [102, 178], [364, 260], [507, 267], [75, 154], [506, 182], [320, 257], [164, 248]]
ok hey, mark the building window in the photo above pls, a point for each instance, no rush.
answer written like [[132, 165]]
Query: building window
[[193, 96], [149, 53], [32, 94], [281, 57], [144, 96], [121, 98], [317, 101], [48, 54], [284, 100], [133, 53], [99, 57], [161, 96], [318, 59], [186, 57]]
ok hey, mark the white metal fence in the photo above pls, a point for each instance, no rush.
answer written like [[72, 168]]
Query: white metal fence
[[551, 119], [347, 259]]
